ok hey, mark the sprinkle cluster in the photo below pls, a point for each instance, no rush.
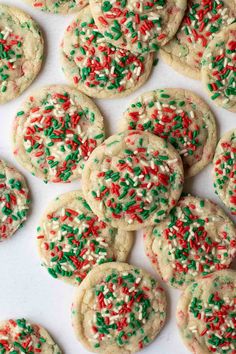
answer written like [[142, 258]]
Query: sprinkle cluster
[[220, 62], [203, 19], [139, 183], [138, 22], [224, 172], [98, 64], [58, 135], [123, 304], [21, 337], [218, 313], [196, 245], [175, 118], [14, 201], [10, 55], [72, 240]]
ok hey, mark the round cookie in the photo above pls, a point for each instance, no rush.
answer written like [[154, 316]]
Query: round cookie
[[133, 180], [140, 26], [218, 68], [182, 118], [224, 170], [202, 20], [21, 52], [72, 240], [118, 309], [20, 336], [58, 6], [197, 238], [206, 314], [14, 200], [96, 67], [55, 131]]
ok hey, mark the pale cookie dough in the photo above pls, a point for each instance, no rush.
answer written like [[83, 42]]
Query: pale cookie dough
[[138, 25], [72, 240], [96, 67], [55, 131], [206, 314], [224, 177], [118, 309], [197, 238], [202, 21], [219, 68], [133, 180], [58, 6], [21, 52], [14, 200], [182, 118], [21, 336]]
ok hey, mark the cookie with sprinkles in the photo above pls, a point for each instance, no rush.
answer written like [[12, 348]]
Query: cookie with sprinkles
[[21, 52], [197, 238], [58, 6], [202, 20], [14, 200], [219, 68], [21, 336], [55, 131], [206, 314], [133, 180], [72, 240], [224, 170], [138, 25], [98, 68], [182, 118], [118, 309]]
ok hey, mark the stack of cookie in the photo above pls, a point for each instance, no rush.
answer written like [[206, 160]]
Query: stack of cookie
[[132, 180]]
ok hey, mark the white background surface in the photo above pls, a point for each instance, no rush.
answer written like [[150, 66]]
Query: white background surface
[[27, 290]]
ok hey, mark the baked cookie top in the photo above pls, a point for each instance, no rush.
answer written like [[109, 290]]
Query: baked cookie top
[[55, 131], [118, 308], [97, 67], [21, 336], [206, 314], [140, 26], [21, 52], [58, 6], [179, 116], [72, 240], [224, 170], [218, 68], [196, 238], [14, 200], [202, 20], [133, 180]]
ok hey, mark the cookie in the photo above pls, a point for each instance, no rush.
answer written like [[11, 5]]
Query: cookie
[[21, 336], [72, 240], [14, 200], [224, 170], [58, 6], [133, 180], [182, 118], [197, 238], [203, 19], [55, 131], [140, 26], [218, 68], [98, 68], [206, 314], [118, 309], [21, 52]]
